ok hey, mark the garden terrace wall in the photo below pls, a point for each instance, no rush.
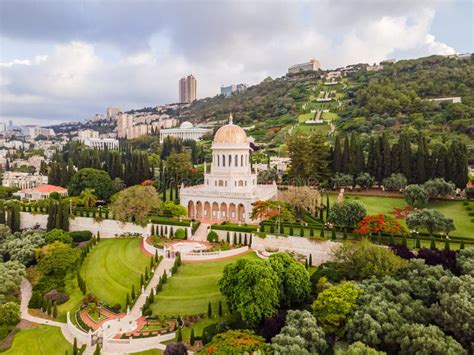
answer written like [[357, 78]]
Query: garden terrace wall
[[108, 228], [213, 255], [320, 250]]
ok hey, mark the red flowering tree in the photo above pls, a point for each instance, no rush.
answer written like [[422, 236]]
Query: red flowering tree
[[375, 223]]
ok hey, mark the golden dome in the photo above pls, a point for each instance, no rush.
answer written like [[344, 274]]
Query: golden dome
[[230, 134]]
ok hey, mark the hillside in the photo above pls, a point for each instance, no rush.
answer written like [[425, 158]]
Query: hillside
[[393, 99]]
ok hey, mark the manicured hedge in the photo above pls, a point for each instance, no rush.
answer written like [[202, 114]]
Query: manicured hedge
[[169, 221], [234, 228], [81, 236]]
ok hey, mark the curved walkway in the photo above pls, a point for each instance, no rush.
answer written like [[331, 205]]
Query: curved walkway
[[110, 328]]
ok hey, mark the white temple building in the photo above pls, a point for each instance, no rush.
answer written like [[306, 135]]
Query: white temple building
[[185, 131], [230, 187]]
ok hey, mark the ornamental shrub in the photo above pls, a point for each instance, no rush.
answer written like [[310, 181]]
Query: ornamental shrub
[[212, 237]]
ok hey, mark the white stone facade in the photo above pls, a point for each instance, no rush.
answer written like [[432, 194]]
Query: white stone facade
[[186, 131], [230, 187]]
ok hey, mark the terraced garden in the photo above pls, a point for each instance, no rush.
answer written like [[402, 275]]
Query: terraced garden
[[189, 291], [42, 340], [112, 267]]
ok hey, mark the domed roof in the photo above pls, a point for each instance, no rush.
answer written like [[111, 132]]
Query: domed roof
[[186, 124], [230, 134]]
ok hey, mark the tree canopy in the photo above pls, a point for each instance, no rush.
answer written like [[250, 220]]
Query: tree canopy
[[93, 179]]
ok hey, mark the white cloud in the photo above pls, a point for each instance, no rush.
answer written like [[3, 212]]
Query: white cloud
[[220, 44]]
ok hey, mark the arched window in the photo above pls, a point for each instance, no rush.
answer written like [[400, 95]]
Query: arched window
[[241, 183], [236, 160], [221, 183], [223, 160], [218, 161], [230, 160], [241, 160]]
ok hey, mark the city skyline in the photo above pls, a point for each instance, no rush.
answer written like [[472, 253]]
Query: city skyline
[[52, 70]]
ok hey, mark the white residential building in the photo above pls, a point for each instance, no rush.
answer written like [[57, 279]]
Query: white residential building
[[23, 180], [312, 65]]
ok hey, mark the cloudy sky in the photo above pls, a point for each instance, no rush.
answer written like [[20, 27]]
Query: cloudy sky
[[67, 60]]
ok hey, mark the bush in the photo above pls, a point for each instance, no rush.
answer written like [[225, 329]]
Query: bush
[[80, 236], [56, 296], [9, 313], [58, 235], [212, 237], [169, 221], [468, 208], [471, 214], [116, 308], [180, 234], [36, 300]]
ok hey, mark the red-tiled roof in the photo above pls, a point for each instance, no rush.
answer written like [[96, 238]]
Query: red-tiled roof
[[49, 189]]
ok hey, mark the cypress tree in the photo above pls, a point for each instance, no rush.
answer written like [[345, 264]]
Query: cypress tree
[[333, 233], [461, 247], [379, 238], [386, 155], [345, 161], [227, 238], [417, 243], [337, 156], [2, 212], [192, 338], [127, 302], [344, 233], [220, 308], [291, 229], [74, 347], [156, 256], [311, 231], [322, 233], [404, 241], [142, 282], [55, 310], [97, 350], [250, 241], [310, 260], [447, 246], [132, 294], [306, 264], [405, 156], [301, 231], [209, 310], [433, 244], [353, 155], [98, 236], [245, 239], [179, 336]]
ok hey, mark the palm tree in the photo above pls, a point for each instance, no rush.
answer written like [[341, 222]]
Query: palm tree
[[88, 198]]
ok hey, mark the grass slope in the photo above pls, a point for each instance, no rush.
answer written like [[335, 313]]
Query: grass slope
[[189, 291], [385, 205], [112, 267], [42, 340]]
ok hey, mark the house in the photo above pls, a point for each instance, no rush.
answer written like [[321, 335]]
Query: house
[[40, 192]]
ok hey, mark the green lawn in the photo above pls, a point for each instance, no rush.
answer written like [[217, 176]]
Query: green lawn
[[112, 267], [75, 297], [451, 209], [313, 128], [45, 339], [329, 116], [189, 291], [304, 117]]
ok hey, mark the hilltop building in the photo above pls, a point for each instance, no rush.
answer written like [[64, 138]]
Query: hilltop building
[[312, 65], [113, 111], [229, 90], [187, 89], [185, 131], [230, 187]]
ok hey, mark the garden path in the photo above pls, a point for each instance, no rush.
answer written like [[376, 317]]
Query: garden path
[[201, 233]]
